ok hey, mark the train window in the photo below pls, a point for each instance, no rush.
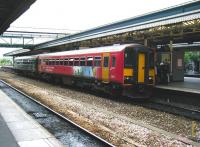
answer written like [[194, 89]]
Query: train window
[[151, 60], [23, 61], [113, 61], [71, 60], [53, 62], [82, 61], [57, 62], [47, 62], [129, 57], [90, 61], [76, 62], [105, 61], [61, 62], [66, 62], [50, 62], [97, 61]]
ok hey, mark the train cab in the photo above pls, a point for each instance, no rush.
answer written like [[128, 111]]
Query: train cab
[[138, 72]]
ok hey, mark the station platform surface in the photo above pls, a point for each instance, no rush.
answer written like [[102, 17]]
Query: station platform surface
[[18, 129], [6, 137], [190, 84]]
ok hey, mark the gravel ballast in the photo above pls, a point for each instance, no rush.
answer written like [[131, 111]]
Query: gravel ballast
[[120, 123]]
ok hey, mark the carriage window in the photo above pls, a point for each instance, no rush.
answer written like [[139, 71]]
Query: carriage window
[[50, 62], [57, 61], [71, 60], [105, 62], [76, 62], [82, 61], [90, 61], [53, 62], [66, 62], [24, 61], [45, 61], [61, 62], [113, 61], [97, 61], [129, 57]]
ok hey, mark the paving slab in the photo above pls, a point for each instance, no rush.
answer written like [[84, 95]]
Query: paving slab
[[18, 129], [6, 137], [190, 84]]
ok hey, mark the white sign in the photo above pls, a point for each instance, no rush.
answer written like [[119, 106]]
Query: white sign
[[179, 62]]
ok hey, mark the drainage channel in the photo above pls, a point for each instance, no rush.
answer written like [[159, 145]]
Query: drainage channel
[[67, 132]]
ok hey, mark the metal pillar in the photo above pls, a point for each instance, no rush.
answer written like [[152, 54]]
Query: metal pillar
[[145, 42], [171, 58], [13, 58]]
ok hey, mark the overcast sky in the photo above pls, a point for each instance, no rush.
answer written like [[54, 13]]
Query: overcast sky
[[79, 15]]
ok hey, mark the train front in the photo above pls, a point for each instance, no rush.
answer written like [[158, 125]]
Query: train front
[[139, 72]]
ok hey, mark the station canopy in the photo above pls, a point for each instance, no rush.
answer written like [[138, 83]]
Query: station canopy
[[179, 25], [10, 10]]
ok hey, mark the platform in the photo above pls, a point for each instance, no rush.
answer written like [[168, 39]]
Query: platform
[[190, 84], [18, 129], [6, 137]]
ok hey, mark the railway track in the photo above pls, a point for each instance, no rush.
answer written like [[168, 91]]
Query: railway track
[[65, 130], [166, 101], [178, 109], [166, 106], [176, 102]]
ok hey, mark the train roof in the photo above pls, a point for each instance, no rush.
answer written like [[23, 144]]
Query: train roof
[[113, 48], [27, 57]]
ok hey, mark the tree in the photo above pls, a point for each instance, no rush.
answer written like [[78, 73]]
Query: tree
[[4, 62], [193, 57]]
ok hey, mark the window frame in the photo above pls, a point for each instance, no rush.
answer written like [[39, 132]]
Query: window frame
[[107, 64], [114, 61], [71, 62], [66, 62], [61, 62], [97, 59], [88, 61], [77, 61], [82, 59]]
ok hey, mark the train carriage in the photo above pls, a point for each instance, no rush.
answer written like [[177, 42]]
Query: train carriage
[[26, 64], [119, 69]]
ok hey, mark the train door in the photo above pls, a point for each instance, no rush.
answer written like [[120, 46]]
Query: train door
[[105, 67], [141, 67]]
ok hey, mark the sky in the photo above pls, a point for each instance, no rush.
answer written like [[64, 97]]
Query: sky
[[70, 16]]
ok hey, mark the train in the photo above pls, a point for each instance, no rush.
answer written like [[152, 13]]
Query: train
[[126, 70]]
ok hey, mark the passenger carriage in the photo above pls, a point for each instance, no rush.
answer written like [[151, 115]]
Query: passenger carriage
[[119, 69]]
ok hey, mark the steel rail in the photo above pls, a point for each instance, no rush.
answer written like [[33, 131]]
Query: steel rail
[[61, 116], [178, 109]]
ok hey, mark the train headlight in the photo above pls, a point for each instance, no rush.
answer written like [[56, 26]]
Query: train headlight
[[128, 79], [150, 80]]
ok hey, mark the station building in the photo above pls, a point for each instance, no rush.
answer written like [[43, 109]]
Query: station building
[[170, 32]]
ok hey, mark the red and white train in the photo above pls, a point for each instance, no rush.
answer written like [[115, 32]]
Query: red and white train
[[119, 69]]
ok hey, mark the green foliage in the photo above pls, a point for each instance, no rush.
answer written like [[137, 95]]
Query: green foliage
[[191, 56], [4, 62]]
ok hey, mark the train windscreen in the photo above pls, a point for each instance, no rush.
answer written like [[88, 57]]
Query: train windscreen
[[128, 57]]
